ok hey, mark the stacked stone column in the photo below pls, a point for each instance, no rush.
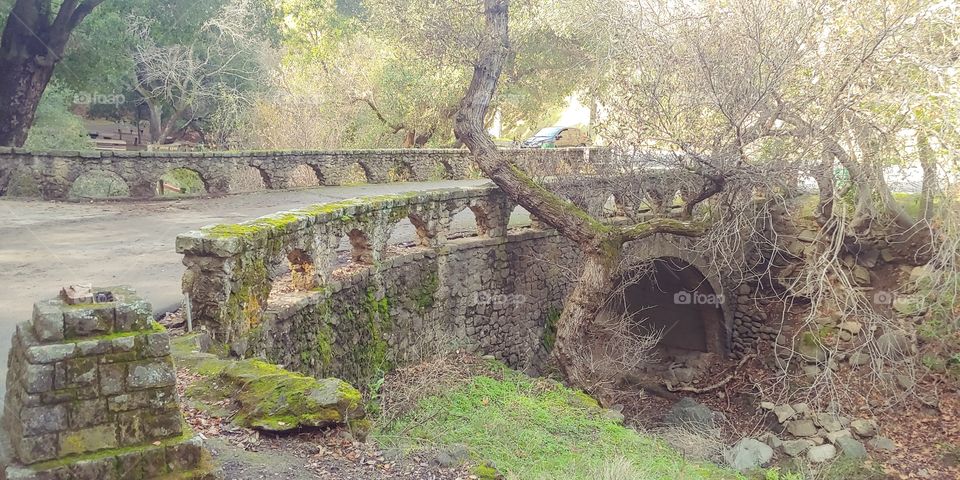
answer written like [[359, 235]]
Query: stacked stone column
[[91, 393]]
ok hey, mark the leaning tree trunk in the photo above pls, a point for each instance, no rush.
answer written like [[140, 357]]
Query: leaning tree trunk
[[584, 304], [21, 86]]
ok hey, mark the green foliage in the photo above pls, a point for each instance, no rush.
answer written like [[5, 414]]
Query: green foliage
[[188, 181], [55, 127], [535, 428]]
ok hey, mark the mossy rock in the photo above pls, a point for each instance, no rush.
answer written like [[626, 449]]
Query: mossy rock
[[273, 399]]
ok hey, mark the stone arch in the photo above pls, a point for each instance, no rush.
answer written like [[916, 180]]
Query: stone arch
[[98, 184], [303, 270], [442, 170], [302, 176], [672, 297], [179, 181], [355, 173], [247, 178], [401, 171], [688, 293], [361, 248]]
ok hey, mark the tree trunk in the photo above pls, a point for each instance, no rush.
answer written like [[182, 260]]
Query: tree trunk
[[32, 43], [21, 86], [929, 165], [580, 309]]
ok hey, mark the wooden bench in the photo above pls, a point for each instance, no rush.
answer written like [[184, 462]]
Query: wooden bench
[[109, 144]]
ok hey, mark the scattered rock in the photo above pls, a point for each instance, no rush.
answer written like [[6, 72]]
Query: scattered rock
[[796, 448], [864, 428], [832, 437], [771, 439], [784, 412], [851, 447], [851, 327], [821, 453], [767, 405], [906, 382], [883, 444], [894, 344], [861, 276], [807, 236], [859, 359], [688, 413], [452, 456], [748, 454], [801, 408], [615, 415], [801, 428], [868, 258], [830, 422], [811, 371]]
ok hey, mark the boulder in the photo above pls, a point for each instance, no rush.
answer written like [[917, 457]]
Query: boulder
[[821, 453], [864, 428], [690, 414], [273, 399], [851, 447], [851, 327], [748, 454]]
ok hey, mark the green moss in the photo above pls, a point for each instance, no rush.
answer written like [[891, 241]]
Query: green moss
[[425, 296], [485, 472], [549, 338], [187, 434]]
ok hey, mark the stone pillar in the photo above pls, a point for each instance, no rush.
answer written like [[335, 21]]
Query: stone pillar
[[91, 394]]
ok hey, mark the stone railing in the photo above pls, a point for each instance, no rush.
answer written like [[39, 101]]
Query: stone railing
[[275, 287], [231, 268], [51, 175]]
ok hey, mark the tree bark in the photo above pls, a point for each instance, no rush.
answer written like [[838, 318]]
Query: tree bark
[[31, 46], [929, 165]]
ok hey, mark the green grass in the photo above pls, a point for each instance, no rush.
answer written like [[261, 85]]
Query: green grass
[[537, 429]]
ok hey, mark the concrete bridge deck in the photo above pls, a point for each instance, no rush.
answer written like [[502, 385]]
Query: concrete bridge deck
[[44, 245]]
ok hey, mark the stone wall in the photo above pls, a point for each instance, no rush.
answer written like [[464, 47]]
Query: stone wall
[[495, 290], [51, 175], [91, 394]]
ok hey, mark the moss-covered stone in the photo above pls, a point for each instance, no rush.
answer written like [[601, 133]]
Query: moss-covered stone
[[273, 399]]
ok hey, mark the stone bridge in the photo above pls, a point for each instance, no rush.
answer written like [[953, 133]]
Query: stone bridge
[[322, 290], [52, 175]]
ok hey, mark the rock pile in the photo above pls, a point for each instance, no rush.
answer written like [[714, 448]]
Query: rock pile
[[822, 436]]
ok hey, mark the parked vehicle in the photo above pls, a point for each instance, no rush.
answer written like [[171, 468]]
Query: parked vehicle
[[555, 137]]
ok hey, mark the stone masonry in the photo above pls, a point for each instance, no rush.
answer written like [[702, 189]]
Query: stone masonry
[[91, 394], [498, 290], [50, 175]]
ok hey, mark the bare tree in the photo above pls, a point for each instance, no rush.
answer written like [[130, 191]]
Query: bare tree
[[178, 80]]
